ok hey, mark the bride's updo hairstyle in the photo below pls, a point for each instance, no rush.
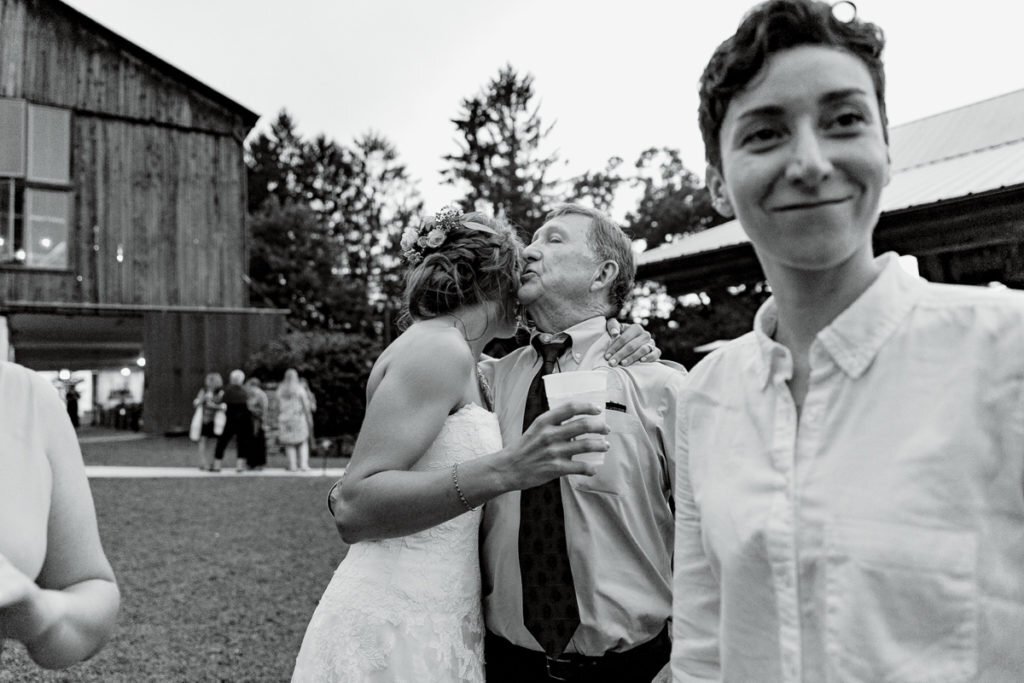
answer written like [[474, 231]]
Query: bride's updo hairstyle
[[458, 260]]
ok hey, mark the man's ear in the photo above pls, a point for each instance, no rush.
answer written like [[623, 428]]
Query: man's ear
[[604, 276], [716, 187]]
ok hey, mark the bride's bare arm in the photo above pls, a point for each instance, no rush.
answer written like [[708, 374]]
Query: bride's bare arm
[[382, 498]]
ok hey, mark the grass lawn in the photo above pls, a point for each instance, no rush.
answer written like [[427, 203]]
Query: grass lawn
[[175, 451], [218, 575]]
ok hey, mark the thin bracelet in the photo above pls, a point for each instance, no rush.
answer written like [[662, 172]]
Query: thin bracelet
[[329, 506], [458, 489]]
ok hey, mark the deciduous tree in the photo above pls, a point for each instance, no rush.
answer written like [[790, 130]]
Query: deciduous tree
[[325, 221]]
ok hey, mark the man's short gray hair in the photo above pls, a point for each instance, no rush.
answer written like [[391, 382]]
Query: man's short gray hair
[[609, 242]]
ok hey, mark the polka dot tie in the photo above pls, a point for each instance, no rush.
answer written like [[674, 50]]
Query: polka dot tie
[[550, 611]]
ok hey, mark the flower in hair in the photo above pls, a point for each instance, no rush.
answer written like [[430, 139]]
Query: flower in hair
[[409, 238], [430, 236], [435, 238]]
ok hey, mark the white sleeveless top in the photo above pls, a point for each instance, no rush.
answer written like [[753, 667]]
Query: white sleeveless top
[[29, 406]]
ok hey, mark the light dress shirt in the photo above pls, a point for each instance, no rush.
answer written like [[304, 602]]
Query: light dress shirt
[[618, 522], [879, 535]]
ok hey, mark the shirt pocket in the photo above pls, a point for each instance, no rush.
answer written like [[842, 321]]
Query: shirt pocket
[[620, 460], [901, 603]]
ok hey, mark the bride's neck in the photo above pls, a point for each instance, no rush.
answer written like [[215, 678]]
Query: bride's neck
[[473, 322]]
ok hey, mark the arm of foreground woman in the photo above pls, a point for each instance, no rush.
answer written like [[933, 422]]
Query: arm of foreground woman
[[69, 611], [383, 498]]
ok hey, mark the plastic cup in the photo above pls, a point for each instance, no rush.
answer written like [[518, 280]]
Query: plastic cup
[[590, 386]]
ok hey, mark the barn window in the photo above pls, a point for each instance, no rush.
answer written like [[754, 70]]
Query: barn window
[[35, 185]]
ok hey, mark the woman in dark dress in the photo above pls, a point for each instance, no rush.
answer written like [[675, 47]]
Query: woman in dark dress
[[255, 443]]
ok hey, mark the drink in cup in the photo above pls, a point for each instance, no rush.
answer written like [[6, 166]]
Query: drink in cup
[[590, 386]]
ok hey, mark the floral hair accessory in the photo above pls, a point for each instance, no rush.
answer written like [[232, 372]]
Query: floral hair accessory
[[417, 242]]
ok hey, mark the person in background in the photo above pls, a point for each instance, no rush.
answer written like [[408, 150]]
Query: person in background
[[850, 491], [294, 415], [58, 594], [237, 423], [312, 411], [71, 401], [256, 448], [210, 399]]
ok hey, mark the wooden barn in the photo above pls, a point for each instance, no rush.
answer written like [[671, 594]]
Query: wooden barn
[[122, 212]]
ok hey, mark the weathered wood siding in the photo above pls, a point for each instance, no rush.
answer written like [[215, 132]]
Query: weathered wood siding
[[156, 167], [171, 201], [37, 285], [182, 347], [50, 54]]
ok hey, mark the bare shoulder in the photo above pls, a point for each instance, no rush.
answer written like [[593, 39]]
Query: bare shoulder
[[429, 358], [428, 345], [32, 400], [27, 390]]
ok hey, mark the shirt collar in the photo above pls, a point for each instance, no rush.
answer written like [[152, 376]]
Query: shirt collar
[[583, 334], [857, 334]]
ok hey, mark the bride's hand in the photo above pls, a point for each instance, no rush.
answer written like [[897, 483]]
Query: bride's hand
[[546, 449], [629, 344]]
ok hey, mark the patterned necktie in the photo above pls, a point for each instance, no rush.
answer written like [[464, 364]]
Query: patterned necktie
[[550, 611]]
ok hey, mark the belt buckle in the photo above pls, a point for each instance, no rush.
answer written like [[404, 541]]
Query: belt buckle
[[556, 672]]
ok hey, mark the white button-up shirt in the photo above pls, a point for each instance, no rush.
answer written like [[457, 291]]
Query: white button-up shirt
[[879, 535]]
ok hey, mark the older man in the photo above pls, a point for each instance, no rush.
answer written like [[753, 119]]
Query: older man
[[577, 572]]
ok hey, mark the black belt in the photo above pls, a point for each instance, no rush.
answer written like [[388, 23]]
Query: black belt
[[652, 655]]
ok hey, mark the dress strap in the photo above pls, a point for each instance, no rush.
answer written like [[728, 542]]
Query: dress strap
[[485, 389]]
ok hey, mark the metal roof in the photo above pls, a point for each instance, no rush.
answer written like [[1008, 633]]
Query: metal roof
[[973, 149]]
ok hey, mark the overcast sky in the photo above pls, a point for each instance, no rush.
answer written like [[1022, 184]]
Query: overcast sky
[[616, 76]]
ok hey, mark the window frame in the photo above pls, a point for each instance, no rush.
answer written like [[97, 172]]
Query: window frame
[[29, 179]]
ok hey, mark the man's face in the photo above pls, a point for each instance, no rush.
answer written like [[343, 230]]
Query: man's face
[[560, 264], [804, 158]]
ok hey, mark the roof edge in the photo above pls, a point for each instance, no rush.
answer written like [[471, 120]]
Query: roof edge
[[957, 108], [72, 308], [249, 117]]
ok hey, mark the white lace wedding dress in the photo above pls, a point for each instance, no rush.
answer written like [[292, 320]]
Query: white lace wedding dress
[[408, 609]]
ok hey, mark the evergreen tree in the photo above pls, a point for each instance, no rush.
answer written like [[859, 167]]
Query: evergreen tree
[[500, 162]]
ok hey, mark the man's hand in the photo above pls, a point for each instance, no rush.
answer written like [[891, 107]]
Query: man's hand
[[630, 344]]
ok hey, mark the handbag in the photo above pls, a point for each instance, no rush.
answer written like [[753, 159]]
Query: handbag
[[195, 428], [219, 418]]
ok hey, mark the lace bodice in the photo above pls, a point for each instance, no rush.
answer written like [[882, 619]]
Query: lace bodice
[[419, 593], [437, 563]]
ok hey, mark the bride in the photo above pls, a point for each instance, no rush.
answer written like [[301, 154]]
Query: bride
[[405, 603]]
